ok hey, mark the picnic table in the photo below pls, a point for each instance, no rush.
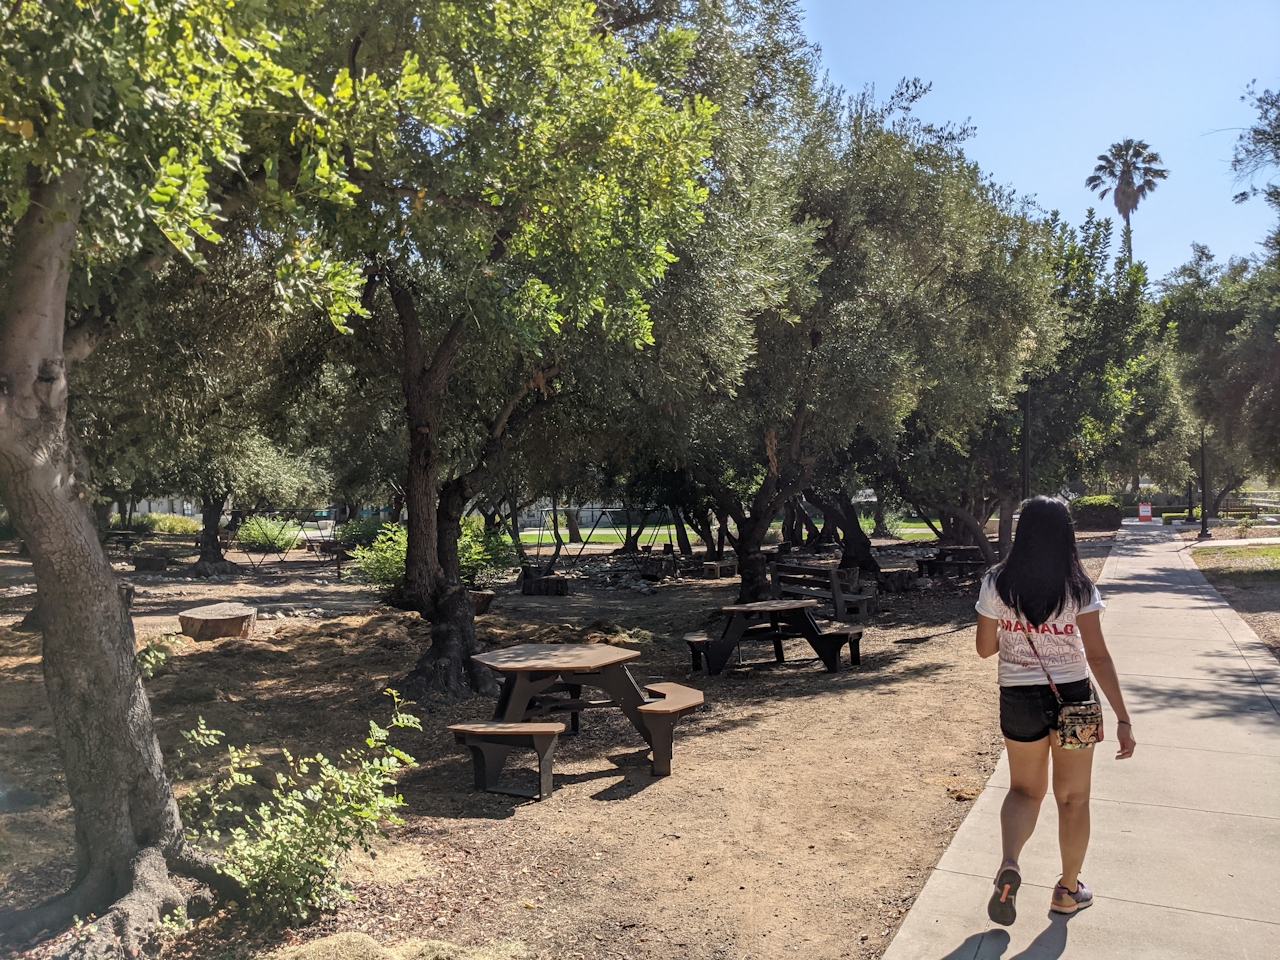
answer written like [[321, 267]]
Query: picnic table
[[776, 620], [540, 680]]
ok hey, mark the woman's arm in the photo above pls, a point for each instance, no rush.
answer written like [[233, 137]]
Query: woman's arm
[[988, 641], [1104, 671]]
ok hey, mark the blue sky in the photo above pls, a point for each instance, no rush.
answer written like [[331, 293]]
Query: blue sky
[[1050, 85]]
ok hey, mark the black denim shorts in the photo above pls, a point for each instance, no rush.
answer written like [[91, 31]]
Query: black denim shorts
[[1027, 714]]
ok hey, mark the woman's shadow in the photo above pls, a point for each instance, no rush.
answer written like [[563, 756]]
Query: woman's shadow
[[1049, 944]]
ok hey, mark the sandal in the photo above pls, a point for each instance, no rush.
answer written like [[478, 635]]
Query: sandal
[[1064, 901], [1002, 907]]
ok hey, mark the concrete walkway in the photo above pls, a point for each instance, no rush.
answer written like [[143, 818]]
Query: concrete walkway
[[1185, 854]]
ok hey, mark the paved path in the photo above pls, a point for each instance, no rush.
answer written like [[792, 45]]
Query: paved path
[[1185, 854]]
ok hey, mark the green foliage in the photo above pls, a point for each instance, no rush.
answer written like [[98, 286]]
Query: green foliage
[[288, 852], [483, 553], [267, 533], [382, 562], [153, 655], [1098, 512], [7, 530], [358, 533], [158, 523]]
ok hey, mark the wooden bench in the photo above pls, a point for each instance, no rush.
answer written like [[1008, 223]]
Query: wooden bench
[[719, 569], [840, 634], [840, 587], [490, 742], [661, 715]]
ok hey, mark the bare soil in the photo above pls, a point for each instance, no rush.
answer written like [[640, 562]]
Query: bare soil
[[803, 815], [1248, 577]]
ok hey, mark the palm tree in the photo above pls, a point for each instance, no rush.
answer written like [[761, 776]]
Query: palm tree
[[1128, 171]]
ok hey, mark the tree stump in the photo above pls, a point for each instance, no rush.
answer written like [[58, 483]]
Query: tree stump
[[545, 587], [150, 564], [218, 620], [482, 600]]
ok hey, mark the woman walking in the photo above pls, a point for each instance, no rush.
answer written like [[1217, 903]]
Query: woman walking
[[1040, 611]]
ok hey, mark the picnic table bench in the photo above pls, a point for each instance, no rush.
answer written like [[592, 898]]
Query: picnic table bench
[[540, 681], [849, 600], [124, 539], [775, 620]]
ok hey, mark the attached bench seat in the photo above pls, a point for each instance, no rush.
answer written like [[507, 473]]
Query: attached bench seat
[[672, 701], [849, 599], [834, 635], [490, 741]]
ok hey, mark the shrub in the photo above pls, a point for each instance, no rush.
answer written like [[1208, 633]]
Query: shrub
[[358, 533], [481, 554], [264, 533], [287, 854], [158, 523], [1097, 513], [382, 562], [7, 529]]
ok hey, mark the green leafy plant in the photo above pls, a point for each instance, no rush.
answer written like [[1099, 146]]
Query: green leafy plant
[[153, 655], [1097, 513], [264, 533], [483, 553], [359, 533], [1245, 524], [288, 852], [382, 562], [157, 523]]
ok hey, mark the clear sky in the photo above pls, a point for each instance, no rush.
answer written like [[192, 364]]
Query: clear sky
[[1050, 85]]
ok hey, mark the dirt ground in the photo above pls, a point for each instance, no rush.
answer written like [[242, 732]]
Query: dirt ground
[[1232, 531], [803, 815], [1248, 578]]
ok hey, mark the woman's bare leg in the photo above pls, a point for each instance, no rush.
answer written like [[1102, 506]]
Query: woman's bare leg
[[1072, 779], [1028, 783]]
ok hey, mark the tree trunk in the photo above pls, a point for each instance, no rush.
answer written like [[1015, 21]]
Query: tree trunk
[[682, 535], [753, 571], [571, 521], [1221, 495], [842, 513], [704, 526], [969, 523], [881, 525], [515, 530], [446, 670], [547, 570], [1007, 506], [211, 507], [128, 833], [811, 533]]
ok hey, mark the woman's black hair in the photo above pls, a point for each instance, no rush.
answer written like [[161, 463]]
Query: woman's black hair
[[1043, 569]]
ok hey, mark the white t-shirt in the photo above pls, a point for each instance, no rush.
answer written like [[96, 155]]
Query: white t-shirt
[[1057, 640]]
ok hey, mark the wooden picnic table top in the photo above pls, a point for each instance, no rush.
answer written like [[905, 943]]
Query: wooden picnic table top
[[552, 657], [770, 606]]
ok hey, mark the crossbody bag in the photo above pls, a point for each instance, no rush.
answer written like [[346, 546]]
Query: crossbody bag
[[1079, 724]]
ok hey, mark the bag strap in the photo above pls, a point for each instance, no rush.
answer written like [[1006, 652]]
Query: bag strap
[[1052, 685]]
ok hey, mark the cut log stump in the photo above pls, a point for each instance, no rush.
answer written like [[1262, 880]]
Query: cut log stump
[[482, 600], [545, 587], [218, 620], [144, 564]]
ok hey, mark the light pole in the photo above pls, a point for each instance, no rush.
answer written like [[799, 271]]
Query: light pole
[[1026, 445], [1204, 492]]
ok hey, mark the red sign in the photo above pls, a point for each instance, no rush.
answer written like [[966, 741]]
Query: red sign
[[1144, 511]]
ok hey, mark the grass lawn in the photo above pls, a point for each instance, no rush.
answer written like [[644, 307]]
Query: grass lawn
[[1244, 563]]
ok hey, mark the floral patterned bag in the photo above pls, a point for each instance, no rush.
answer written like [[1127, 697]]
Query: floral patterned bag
[[1079, 724]]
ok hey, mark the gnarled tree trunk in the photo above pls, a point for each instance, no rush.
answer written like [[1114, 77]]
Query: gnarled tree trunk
[[128, 833], [211, 507]]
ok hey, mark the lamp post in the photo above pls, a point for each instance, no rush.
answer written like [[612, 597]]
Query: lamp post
[[1204, 493], [1026, 445]]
